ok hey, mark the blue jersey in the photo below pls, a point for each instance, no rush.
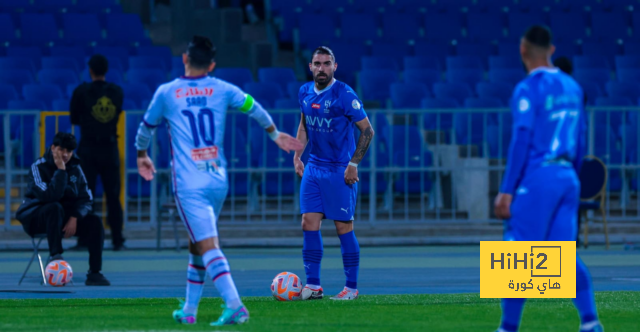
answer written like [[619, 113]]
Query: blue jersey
[[330, 115], [549, 103]]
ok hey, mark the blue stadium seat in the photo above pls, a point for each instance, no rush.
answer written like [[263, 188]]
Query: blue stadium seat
[[236, 76], [280, 76], [379, 62], [505, 62], [350, 60], [413, 182], [623, 89], [592, 90], [113, 76], [438, 121], [509, 49], [60, 62], [510, 76], [606, 148], [16, 77], [465, 75], [614, 101], [59, 77], [499, 138], [590, 62], [614, 119], [60, 105], [607, 49], [162, 52], [13, 63], [600, 76], [15, 5], [457, 91], [439, 51], [477, 49], [631, 48], [114, 63], [627, 62], [467, 61], [287, 104], [567, 49], [629, 75], [394, 50], [382, 160], [151, 77], [499, 90], [609, 26], [147, 62], [406, 138], [567, 26], [375, 84], [408, 95], [266, 93], [38, 29], [7, 29], [443, 26], [293, 89], [7, 92], [95, 6], [26, 105], [45, 93], [81, 28], [358, 27], [114, 52], [124, 29], [34, 53], [485, 26], [312, 33], [424, 76], [401, 27], [137, 92], [421, 62], [519, 22], [483, 102], [128, 104]]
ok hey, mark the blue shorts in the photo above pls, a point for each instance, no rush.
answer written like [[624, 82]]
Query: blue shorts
[[323, 190], [545, 206]]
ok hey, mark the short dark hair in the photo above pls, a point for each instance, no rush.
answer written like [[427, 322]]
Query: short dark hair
[[99, 64], [201, 52], [65, 140], [564, 64], [323, 50], [539, 35]]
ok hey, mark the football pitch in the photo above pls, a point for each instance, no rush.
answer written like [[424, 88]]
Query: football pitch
[[402, 288]]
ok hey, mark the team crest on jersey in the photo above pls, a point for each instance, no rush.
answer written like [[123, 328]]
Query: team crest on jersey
[[355, 104], [523, 105], [73, 179], [327, 104], [104, 110], [316, 106]]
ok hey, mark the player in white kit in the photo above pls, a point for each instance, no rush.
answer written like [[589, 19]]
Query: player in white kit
[[194, 107]]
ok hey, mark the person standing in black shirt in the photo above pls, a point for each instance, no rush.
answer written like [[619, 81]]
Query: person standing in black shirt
[[96, 107]]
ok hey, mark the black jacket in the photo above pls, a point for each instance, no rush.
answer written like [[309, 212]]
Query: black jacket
[[96, 107], [47, 184]]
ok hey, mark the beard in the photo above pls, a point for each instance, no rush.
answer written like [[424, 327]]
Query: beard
[[323, 78]]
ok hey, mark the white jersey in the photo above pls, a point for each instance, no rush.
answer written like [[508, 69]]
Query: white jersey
[[195, 110]]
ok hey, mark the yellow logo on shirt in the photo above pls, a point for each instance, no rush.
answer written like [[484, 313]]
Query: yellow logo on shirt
[[104, 110]]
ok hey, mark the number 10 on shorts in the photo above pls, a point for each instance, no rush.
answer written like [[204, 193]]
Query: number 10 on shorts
[[527, 269]]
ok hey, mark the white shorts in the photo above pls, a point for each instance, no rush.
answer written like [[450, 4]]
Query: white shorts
[[200, 209]]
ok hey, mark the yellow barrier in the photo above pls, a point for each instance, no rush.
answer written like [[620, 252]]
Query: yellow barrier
[[121, 145]]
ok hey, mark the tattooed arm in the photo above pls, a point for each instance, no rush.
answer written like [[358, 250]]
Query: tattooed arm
[[303, 138], [366, 135]]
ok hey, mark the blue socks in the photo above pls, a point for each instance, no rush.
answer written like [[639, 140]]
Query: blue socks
[[584, 302], [350, 258], [312, 256]]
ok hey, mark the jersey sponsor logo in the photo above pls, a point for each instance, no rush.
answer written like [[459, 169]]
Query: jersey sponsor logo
[[318, 124], [316, 106], [104, 110], [355, 104], [206, 153], [192, 92], [524, 105]]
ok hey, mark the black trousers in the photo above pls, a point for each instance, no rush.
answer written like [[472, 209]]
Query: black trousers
[[51, 219], [104, 160]]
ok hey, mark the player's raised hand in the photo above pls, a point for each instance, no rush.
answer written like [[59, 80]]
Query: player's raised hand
[[288, 143], [146, 168], [351, 175], [502, 206]]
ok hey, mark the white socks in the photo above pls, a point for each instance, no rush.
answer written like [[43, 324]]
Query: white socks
[[195, 284], [218, 268]]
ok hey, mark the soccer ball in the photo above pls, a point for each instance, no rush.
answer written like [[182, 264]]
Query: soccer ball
[[286, 286], [58, 273]]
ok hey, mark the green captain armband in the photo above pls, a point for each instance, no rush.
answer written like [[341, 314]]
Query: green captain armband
[[248, 104]]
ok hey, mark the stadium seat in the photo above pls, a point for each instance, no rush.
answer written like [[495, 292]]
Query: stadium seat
[[293, 88], [508, 48], [457, 91], [162, 52], [114, 52], [592, 90], [505, 62], [54, 5], [483, 102], [600, 76], [439, 51], [590, 62], [287, 104], [509, 76], [146, 62], [411, 182], [466, 61], [406, 138], [498, 139], [151, 77], [607, 49], [280, 76], [423, 76], [627, 62], [350, 60], [438, 121], [60, 105], [609, 25], [606, 148], [95, 6], [476, 49], [266, 93], [60, 77], [567, 26], [27, 105], [60, 62], [629, 75], [421, 62], [358, 27], [236, 76], [38, 29], [379, 63], [7, 92], [128, 105], [81, 28], [382, 160], [124, 29], [45, 93], [499, 90], [375, 84], [16, 77], [13, 63], [408, 95], [312, 33], [443, 26], [485, 26], [567, 49], [113, 76], [394, 50], [7, 29], [519, 22], [402, 27], [614, 119], [137, 92], [628, 90], [631, 48], [468, 76]]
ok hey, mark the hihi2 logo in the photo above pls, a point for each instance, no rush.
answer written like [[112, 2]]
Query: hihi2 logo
[[527, 269]]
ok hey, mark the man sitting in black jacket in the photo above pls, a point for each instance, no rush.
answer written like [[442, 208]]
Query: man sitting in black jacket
[[58, 203]]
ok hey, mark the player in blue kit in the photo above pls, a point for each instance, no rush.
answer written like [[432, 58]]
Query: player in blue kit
[[194, 107], [330, 109], [547, 146]]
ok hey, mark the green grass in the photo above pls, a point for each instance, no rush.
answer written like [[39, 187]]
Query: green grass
[[619, 311]]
